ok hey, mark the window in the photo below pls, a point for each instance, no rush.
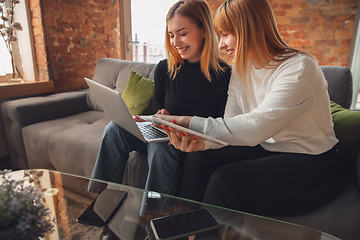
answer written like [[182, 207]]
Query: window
[[23, 50], [145, 36], [5, 61]]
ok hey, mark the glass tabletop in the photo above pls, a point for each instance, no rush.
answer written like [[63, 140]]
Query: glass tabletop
[[67, 197]]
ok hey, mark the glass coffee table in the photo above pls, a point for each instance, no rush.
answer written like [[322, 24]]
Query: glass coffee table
[[67, 197]]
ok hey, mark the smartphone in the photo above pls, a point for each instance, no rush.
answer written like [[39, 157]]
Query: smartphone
[[103, 208], [183, 224]]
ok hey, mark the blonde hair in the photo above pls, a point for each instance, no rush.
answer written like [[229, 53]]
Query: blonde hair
[[253, 24], [199, 13]]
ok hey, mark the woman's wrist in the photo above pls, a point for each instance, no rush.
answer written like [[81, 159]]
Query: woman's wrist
[[184, 121]]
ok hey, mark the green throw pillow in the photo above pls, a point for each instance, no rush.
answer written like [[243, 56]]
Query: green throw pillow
[[347, 128], [138, 94]]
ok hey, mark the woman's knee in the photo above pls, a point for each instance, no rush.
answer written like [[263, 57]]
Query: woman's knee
[[110, 128]]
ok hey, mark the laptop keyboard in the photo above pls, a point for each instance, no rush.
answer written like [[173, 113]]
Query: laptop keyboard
[[149, 131]]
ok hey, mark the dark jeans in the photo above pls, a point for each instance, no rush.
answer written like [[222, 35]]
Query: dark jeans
[[257, 181], [165, 162]]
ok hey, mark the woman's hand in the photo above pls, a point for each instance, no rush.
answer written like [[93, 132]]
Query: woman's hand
[[162, 112], [184, 141], [138, 119]]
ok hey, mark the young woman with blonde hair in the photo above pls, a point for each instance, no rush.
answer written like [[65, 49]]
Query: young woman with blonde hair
[[192, 81], [283, 157]]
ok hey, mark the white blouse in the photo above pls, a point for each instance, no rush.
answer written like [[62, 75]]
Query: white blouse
[[288, 110]]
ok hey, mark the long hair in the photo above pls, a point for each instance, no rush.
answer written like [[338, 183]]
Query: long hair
[[253, 24], [198, 11]]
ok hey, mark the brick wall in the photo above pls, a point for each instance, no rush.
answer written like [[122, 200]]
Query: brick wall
[[70, 36], [321, 27]]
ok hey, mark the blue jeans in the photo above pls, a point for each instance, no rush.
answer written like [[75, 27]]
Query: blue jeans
[[165, 161]]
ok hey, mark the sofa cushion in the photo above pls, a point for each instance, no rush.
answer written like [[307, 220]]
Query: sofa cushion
[[138, 94], [347, 128], [68, 144], [114, 74], [340, 84]]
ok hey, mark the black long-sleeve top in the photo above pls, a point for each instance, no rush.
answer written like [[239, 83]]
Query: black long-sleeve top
[[190, 93]]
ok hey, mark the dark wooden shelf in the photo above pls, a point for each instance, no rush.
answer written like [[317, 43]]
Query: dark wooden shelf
[[25, 88]]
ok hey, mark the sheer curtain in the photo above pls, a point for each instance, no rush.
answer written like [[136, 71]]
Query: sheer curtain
[[5, 59]]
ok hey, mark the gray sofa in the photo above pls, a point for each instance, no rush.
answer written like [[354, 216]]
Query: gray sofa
[[64, 131]]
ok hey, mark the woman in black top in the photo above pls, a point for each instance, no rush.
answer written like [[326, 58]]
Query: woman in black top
[[192, 81]]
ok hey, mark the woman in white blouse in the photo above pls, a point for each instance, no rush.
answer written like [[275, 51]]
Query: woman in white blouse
[[283, 157]]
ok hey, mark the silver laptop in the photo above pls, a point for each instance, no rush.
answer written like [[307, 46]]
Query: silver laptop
[[116, 110]]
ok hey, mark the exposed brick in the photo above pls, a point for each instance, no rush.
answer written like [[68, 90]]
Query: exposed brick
[[300, 34], [34, 4], [281, 28], [39, 39], [292, 13], [71, 33], [98, 29], [340, 50], [77, 50], [286, 6], [62, 24], [343, 34], [64, 41], [88, 28], [57, 49], [280, 13], [345, 42], [35, 12], [61, 7], [283, 21], [318, 19], [298, 27], [51, 13], [314, 35], [48, 3], [41, 58], [49, 22], [36, 21], [300, 20], [86, 31], [334, 25], [349, 25], [98, 1], [326, 42], [76, 42], [342, 18], [330, 58], [285, 34], [73, 9], [38, 30], [300, 43], [299, 5], [75, 25]]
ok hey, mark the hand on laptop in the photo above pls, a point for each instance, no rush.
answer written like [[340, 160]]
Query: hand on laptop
[[162, 112], [138, 119]]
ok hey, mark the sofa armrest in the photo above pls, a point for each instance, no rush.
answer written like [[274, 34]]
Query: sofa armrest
[[32, 110], [19, 113]]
